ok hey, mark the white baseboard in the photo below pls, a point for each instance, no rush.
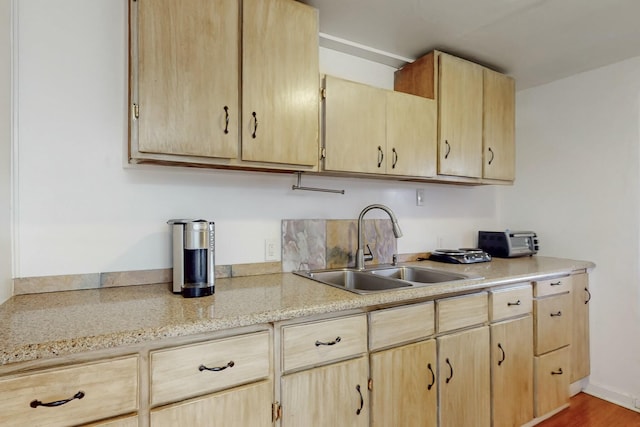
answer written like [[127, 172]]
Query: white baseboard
[[613, 396]]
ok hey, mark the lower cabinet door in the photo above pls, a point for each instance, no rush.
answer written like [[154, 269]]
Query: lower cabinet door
[[464, 378], [512, 372], [404, 391], [551, 372], [245, 406], [328, 396], [127, 421]]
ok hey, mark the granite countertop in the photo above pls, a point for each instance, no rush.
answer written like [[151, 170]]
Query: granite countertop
[[41, 326]]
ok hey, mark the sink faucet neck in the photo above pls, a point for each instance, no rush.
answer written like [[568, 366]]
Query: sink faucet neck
[[394, 223]]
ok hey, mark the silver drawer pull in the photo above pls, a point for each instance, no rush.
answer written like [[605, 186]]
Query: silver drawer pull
[[231, 364], [337, 340]]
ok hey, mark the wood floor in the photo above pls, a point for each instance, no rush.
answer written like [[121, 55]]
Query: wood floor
[[589, 411]]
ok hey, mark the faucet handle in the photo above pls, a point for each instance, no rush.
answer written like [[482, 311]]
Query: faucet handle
[[368, 256], [394, 260]]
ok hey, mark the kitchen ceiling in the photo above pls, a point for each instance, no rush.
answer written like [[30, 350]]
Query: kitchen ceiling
[[535, 41]]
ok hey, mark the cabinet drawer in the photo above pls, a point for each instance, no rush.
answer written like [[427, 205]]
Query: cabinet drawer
[[197, 369], [460, 312], [321, 342], [402, 324], [553, 323], [108, 389], [551, 373], [509, 302], [552, 286], [244, 406]]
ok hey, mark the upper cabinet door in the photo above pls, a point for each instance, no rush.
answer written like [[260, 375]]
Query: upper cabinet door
[[354, 131], [460, 103], [499, 126], [187, 77], [280, 77], [411, 135]]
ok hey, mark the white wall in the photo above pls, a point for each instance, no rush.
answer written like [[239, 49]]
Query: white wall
[[80, 211], [5, 149], [578, 171]]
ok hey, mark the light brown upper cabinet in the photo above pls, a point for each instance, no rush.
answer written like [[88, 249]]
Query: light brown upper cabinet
[[476, 116], [189, 64], [280, 82], [377, 131], [460, 117], [187, 101], [498, 126]]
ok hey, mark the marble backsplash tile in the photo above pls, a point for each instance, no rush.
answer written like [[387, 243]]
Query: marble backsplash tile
[[316, 244]]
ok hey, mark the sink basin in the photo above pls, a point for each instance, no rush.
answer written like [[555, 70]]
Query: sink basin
[[419, 274], [354, 280], [382, 279]]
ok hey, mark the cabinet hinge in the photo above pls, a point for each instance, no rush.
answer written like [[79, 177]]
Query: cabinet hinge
[[323, 93], [370, 384], [276, 411], [323, 153], [135, 111]]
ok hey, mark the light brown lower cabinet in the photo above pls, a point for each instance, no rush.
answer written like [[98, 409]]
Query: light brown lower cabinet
[[327, 396], [512, 372], [580, 366], [243, 406], [404, 391], [127, 421], [464, 380], [551, 381]]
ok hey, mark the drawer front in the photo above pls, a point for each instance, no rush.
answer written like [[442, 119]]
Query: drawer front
[[197, 369], [551, 373], [402, 324], [510, 302], [108, 389], [552, 286], [553, 323], [460, 312], [321, 342]]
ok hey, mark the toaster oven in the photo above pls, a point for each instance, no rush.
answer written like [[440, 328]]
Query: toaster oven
[[508, 244]]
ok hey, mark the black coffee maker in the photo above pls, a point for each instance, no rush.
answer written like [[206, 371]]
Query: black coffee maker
[[193, 257]]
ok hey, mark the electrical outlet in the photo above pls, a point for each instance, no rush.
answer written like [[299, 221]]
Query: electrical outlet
[[419, 197], [270, 250]]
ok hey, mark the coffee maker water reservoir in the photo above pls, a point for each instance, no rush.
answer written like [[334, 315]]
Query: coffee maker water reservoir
[[193, 257]]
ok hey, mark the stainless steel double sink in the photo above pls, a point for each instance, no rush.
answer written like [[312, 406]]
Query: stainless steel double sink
[[383, 278]]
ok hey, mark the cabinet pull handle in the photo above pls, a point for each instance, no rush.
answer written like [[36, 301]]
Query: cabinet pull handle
[[255, 124], [226, 119], [337, 340], [588, 296], [504, 356], [558, 372], [446, 155], [492, 155], [433, 376], [514, 303], [36, 403], [361, 400], [218, 368], [558, 283], [558, 314], [380, 156], [395, 158], [451, 373]]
